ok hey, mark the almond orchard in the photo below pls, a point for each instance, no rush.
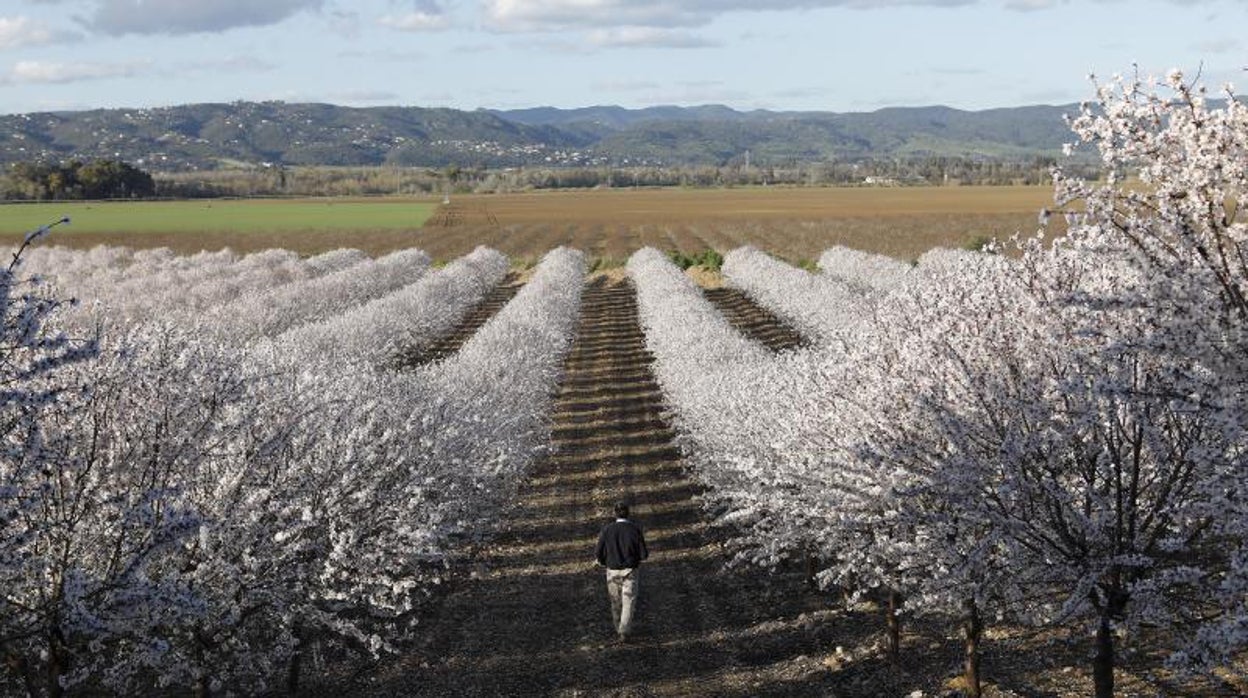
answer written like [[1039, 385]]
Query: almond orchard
[[218, 465]]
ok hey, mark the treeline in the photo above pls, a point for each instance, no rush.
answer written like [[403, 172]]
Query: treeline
[[110, 179], [932, 171], [97, 179], [380, 181]]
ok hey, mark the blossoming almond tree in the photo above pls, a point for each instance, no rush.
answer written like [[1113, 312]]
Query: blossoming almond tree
[[1021, 464], [279, 308], [1061, 438], [378, 331], [865, 271], [1081, 411], [208, 510], [821, 306], [34, 357], [147, 283], [336, 507], [1181, 238]]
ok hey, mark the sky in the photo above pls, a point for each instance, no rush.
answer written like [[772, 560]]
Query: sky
[[824, 55]]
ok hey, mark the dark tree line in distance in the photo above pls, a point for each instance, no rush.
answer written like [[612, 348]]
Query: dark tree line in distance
[[96, 179]]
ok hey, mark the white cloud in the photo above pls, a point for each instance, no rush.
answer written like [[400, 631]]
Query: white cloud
[[560, 15], [51, 72], [16, 32], [555, 15], [645, 37], [424, 16], [551, 15], [118, 17], [1031, 5], [418, 21], [345, 23]]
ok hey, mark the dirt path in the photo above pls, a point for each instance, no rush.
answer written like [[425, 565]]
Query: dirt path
[[533, 616]]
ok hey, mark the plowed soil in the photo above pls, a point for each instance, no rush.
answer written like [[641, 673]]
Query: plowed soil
[[753, 320], [794, 223]]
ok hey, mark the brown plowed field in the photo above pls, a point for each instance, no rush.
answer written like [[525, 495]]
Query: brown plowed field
[[794, 223]]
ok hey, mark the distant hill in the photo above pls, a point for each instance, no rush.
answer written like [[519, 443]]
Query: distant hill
[[247, 133], [618, 117]]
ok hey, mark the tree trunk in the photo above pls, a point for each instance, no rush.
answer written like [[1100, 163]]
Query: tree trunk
[[17, 664], [296, 665], [202, 688], [973, 629], [811, 568], [1103, 663], [56, 664], [894, 625]]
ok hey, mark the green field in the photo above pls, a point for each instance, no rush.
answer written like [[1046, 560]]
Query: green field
[[219, 216]]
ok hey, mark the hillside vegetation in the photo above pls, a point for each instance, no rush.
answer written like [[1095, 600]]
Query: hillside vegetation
[[211, 135]]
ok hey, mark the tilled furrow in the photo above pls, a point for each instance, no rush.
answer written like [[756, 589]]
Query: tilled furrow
[[576, 462], [597, 416], [612, 338], [621, 323], [606, 440], [467, 327], [607, 312], [651, 397], [753, 320], [567, 431], [615, 354], [587, 378], [588, 391], [611, 342]]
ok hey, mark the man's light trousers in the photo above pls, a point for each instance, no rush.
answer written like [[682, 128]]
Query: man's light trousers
[[622, 585]]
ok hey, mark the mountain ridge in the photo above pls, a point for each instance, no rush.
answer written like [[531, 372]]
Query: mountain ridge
[[211, 135]]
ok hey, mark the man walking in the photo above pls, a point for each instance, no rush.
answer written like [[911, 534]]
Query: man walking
[[621, 548]]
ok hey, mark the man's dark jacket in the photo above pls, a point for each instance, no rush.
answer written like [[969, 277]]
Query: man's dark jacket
[[621, 546]]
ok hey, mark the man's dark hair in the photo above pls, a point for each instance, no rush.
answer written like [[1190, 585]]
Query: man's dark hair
[[621, 510]]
